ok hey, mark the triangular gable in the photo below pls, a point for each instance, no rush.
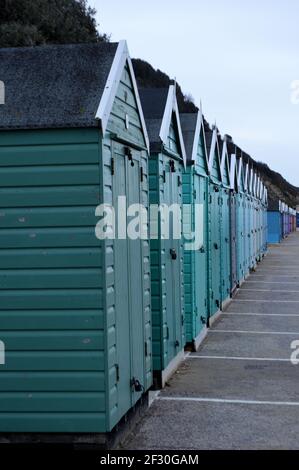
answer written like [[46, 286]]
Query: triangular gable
[[251, 181], [199, 143], [247, 177], [121, 58], [240, 174], [172, 111], [260, 188], [233, 173], [214, 157], [254, 187], [225, 173], [263, 192]]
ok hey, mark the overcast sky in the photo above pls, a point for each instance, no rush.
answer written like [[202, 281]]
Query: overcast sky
[[239, 57]]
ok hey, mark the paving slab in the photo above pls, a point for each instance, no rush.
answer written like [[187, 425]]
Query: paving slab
[[235, 379], [272, 296], [256, 306], [179, 425], [258, 323], [270, 285]]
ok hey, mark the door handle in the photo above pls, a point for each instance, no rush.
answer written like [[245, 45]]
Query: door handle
[[173, 253]]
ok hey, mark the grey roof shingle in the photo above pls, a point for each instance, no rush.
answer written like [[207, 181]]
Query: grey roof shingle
[[208, 136], [188, 125], [273, 203], [153, 101], [54, 86]]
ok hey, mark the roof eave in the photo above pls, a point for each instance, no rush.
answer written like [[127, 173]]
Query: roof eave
[[103, 112]]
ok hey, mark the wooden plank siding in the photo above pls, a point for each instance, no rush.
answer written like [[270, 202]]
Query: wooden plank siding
[[51, 293], [57, 295], [125, 104], [161, 284]]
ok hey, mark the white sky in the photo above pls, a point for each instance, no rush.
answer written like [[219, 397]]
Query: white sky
[[239, 57]]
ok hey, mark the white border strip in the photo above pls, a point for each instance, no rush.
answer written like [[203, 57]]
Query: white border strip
[[269, 301], [240, 358], [273, 282], [252, 332], [263, 314], [230, 401], [276, 275], [269, 290]]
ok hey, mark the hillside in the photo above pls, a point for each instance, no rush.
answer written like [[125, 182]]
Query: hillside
[[147, 76]]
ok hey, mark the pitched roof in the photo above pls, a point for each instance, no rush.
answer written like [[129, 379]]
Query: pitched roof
[[273, 203], [153, 101], [54, 86], [208, 135], [159, 105], [189, 125]]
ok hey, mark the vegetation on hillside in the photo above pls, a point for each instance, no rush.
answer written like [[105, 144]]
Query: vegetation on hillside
[[147, 76], [37, 22]]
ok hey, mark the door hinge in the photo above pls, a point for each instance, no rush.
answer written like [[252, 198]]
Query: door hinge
[[112, 166], [171, 165], [141, 173], [177, 343], [179, 180], [145, 349], [167, 332], [203, 320], [164, 176], [117, 372], [194, 193], [182, 319]]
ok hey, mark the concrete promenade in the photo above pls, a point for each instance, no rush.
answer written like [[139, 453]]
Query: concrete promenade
[[240, 390]]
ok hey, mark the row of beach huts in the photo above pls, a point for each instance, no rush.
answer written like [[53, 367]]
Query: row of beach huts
[[89, 325]]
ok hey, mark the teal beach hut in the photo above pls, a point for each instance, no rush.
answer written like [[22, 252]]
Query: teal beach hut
[[166, 166], [74, 308], [214, 216], [195, 197]]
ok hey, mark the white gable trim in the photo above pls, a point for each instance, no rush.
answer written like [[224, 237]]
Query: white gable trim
[[196, 136], [224, 162], [121, 57], [251, 181], [198, 128], [260, 188], [240, 171], [233, 174], [246, 182], [254, 191], [214, 148], [172, 107]]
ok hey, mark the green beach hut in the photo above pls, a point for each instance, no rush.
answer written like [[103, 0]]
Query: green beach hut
[[75, 312]]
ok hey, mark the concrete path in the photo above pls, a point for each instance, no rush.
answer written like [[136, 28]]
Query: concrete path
[[240, 390]]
